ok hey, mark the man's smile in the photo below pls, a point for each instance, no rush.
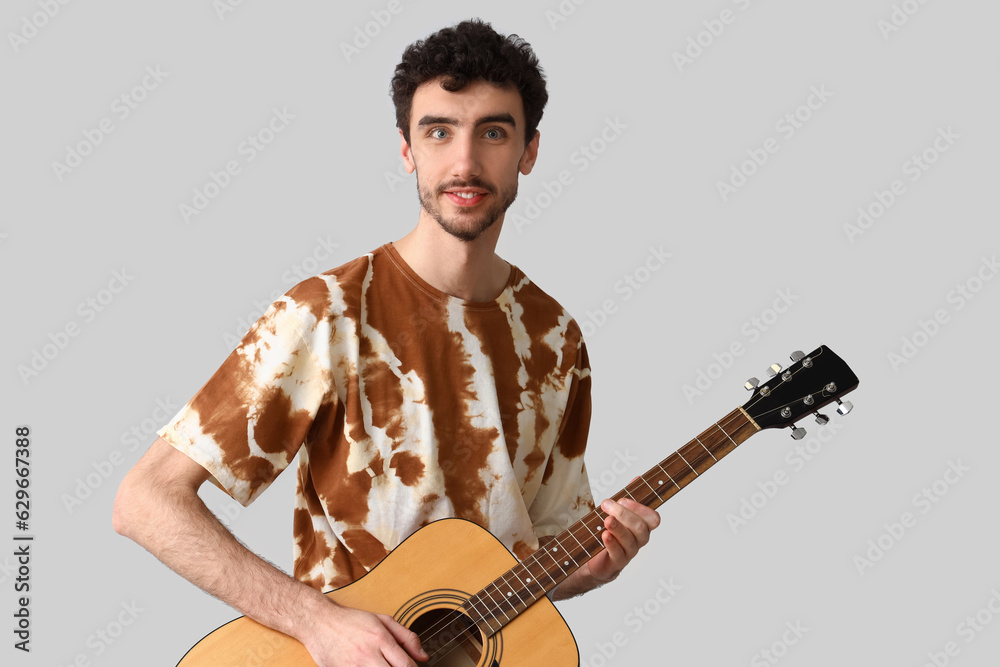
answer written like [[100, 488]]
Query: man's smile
[[466, 196]]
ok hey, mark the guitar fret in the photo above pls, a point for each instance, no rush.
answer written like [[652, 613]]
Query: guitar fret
[[570, 531], [545, 570], [593, 542], [557, 565], [565, 551], [727, 435], [650, 488], [514, 591], [484, 619], [668, 476], [507, 601], [495, 605], [524, 582], [707, 449], [531, 582], [470, 607], [686, 461], [487, 614], [701, 460], [594, 531]]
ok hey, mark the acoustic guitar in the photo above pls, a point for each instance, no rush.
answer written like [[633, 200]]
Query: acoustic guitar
[[473, 604]]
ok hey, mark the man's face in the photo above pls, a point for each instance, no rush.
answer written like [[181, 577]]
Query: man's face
[[467, 149]]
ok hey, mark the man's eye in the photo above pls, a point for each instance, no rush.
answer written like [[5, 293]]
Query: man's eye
[[495, 133], [439, 133]]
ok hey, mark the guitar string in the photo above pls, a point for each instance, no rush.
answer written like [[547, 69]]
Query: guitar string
[[646, 499], [436, 630], [697, 460], [456, 615]]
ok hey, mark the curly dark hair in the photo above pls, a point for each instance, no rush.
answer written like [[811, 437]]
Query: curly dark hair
[[467, 52]]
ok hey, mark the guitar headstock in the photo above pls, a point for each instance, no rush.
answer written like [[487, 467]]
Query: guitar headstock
[[811, 382]]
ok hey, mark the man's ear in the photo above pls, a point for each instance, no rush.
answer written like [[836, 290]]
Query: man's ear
[[405, 151], [530, 154]]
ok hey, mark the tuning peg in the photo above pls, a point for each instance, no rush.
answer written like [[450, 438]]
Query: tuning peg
[[751, 384], [773, 370], [797, 354], [798, 433], [843, 407], [821, 419]]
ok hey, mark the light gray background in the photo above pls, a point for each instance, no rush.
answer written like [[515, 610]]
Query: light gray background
[[331, 175]]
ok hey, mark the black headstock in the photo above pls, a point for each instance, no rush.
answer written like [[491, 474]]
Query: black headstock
[[811, 382]]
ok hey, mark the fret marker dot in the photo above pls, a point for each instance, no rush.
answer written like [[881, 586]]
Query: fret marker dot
[[509, 594], [660, 482], [565, 562], [529, 580], [554, 549], [600, 528]]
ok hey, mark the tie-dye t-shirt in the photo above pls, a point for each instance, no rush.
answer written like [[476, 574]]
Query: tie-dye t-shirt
[[405, 405]]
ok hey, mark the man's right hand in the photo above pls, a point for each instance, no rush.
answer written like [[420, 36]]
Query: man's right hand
[[346, 637]]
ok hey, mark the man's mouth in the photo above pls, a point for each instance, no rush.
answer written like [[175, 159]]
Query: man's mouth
[[466, 197]]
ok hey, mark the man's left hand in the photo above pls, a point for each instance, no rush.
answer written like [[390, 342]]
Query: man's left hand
[[627, 529]]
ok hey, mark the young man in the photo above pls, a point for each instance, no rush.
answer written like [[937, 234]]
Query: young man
[[426, 379]]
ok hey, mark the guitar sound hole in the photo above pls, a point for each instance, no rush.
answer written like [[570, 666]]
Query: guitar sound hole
[[449, 637]]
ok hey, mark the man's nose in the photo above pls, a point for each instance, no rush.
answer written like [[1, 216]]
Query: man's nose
[[466, 158]]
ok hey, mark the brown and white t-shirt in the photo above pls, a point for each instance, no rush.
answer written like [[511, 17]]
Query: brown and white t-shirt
[[409, 405]]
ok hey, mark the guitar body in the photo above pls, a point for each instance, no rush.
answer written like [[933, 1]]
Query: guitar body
[[434, 570]]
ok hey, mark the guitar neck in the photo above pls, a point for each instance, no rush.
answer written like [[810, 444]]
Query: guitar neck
[[519, 587]]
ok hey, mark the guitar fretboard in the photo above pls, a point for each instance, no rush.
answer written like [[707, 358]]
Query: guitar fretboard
[[518, 588]]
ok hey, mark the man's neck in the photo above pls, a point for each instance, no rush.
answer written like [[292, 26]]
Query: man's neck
[[468, 270]]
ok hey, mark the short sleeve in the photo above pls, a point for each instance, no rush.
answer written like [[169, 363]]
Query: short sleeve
[[247, 422], [565, 496]]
